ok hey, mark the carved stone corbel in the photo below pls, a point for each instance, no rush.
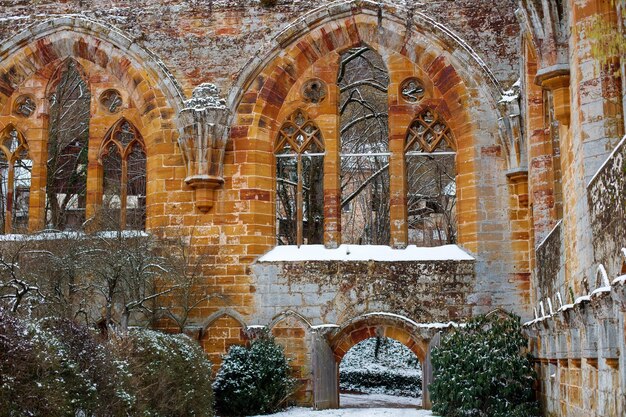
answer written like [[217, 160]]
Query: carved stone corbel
[[203, 136]]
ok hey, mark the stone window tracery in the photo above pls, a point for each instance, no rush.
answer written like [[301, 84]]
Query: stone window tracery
[[24, 106], [123, 160], [15, 181], [299, 152], [430, 153]]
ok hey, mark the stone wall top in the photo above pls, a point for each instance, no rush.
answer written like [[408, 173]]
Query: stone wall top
[[211, 40]]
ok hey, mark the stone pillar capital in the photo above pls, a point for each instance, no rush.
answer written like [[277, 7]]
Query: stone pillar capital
[[203, 136]]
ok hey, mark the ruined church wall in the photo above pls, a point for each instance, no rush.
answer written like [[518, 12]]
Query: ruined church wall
[[202, 41], [212, 40]]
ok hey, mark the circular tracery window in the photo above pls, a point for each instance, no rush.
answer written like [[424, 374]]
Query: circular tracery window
[[24, 106], [314, 90], [111, 100], [412, 90]]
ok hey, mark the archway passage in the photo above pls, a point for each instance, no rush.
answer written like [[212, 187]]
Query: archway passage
[[329, 351], [380, 372]]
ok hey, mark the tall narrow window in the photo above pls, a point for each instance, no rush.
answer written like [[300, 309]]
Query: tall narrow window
[[431, 176], [299, 154], [123, 160], [15, 180], [363, 81], [68, 139]]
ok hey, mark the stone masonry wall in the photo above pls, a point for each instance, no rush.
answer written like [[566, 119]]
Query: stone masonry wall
[[550, 274], [466, 53], [578, 336], [212, 40], [607, 201], [332, 292]]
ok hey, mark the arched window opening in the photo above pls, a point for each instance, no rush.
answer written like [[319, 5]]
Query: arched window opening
[[68, 139], [380, 372], [123, 161], [363, 82], [431, 178], [299, 155], [15, 181]]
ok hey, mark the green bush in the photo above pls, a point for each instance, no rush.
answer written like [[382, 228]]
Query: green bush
[[380, 365], [480, 371], [254, 380], [171, 374], [57, 368], [95, 382]]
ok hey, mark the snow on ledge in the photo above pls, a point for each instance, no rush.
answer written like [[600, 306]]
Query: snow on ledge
[[621, 280], [292, 253], [57, 235], [601, 290]]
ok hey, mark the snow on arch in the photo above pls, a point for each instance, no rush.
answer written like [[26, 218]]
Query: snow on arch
[[416, 336], [602, 281]]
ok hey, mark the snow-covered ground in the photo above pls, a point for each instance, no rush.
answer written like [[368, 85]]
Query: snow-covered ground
[[378, 401], [355, 412]]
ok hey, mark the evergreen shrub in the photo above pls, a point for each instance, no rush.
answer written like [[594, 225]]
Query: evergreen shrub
[[481, 371], [55, 367], [171, 374], [254, 380]]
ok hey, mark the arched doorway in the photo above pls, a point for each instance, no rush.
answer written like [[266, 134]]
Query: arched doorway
[[380, 372], [329, 349]]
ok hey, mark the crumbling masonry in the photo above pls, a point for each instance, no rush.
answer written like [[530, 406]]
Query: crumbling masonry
[[515, 90]]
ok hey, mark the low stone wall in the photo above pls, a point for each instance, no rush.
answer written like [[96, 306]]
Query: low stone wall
[[550, 273], [578, 340], [580, 367], [606, 194], [331, 292]]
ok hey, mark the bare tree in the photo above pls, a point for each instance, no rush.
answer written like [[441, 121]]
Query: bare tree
[[18, 287], [67, 149], [189, 290], [127, 276], [61, 264], [431, 200], [363, 81]]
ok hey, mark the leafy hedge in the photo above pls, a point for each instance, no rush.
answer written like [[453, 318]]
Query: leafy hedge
[[481, 371], [381, 366], [390, 383], [254, 380], [55, 367], [171, 375]]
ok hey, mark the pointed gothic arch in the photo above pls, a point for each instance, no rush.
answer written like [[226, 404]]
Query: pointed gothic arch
[[454, 75], [15, 180], [123, 160], [139, 69]]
